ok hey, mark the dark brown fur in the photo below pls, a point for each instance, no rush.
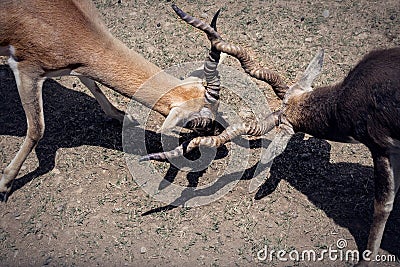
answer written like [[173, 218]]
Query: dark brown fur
[[45, 39], [365, 106]]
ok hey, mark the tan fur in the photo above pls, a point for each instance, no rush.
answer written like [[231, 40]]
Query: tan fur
[[67, 37], [45, 35]]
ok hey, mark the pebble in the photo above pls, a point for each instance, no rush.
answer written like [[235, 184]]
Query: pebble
[[204, 16], [143, 250], [325, 13], [48, 261], [60, 207]]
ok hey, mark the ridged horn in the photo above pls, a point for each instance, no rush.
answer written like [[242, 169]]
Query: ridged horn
[[248, 64], [206, 116], [248, 128]]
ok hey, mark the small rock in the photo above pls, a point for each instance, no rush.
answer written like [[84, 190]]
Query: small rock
[[247, 114], [143, 250], [204, 16], [309, 39], [325, 13], [60, 207], [363, 35], [151, 49], [48, 261]]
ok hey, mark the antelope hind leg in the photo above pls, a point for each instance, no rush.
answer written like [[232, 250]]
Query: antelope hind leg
[[386, 176], [30, 91]]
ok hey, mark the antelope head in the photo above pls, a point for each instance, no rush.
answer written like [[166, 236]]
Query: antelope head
[[363, 107], [288, 94], [206, 116]]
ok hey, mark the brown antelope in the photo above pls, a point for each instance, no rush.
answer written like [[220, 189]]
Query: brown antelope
[[67, 37], [364, 107]]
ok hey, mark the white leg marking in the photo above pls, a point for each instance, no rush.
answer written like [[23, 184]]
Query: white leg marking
[[395, 164], [384, 198], [14, 67]]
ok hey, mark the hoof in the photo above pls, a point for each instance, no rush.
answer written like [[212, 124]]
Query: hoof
[[5, 191], [3, 197]]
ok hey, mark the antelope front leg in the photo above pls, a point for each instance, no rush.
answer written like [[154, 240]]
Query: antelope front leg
[[385, 192], [30, 91], [105, 104]]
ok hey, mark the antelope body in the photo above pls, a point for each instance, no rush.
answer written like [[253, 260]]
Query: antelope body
[[67, 37], [364, 107]]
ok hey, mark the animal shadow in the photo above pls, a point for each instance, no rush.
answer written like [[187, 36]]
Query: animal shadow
[[72, 119], [344, 191]]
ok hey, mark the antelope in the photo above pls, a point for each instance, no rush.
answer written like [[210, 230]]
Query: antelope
[[364, 107], [44, 39]]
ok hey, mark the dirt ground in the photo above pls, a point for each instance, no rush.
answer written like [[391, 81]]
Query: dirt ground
[[77, 204]]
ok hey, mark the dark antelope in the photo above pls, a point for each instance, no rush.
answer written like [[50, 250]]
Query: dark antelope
[[364, 107], [65, 37]]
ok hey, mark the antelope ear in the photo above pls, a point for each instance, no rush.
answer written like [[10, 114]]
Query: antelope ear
[[312, 71]]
